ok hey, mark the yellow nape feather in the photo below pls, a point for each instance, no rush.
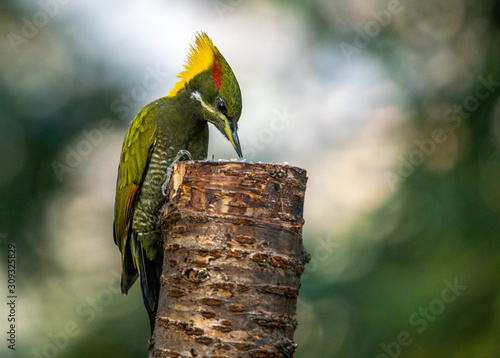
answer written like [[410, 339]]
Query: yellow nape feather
[[200, 58]]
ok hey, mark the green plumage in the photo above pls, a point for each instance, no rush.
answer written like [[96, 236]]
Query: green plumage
[[153, 140], [158, 132]]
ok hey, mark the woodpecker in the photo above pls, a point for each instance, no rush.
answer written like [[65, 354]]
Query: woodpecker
[[172, 128]]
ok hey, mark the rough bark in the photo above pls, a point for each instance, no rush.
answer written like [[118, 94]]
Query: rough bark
[[233, 256]]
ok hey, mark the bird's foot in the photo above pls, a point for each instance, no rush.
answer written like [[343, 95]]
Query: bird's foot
[[181, 156], [151, 343]]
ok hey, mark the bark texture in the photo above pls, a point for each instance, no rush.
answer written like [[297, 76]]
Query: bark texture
[[232, 261]]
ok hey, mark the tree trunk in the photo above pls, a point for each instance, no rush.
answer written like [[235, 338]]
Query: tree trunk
[[233, 256]]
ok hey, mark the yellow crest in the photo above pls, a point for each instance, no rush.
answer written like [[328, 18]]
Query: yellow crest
[[200, 58]]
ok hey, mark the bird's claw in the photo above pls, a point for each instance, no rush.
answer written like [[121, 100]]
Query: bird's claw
[[182, 155]]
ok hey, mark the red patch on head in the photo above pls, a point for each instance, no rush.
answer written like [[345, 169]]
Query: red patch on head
[[217, 73]]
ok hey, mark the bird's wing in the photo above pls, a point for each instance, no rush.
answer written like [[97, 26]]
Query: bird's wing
[[135, 155]]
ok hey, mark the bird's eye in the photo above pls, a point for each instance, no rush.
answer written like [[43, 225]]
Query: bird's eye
[[221, 106]]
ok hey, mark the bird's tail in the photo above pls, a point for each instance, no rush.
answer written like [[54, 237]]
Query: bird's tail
[[150, 284]]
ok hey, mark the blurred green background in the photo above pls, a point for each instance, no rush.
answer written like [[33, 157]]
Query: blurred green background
[[391, 106]]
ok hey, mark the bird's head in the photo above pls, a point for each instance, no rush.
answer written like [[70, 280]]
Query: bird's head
[[212, 87]]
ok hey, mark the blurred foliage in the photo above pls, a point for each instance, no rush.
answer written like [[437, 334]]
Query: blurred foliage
[[439, 227], [444, 218]]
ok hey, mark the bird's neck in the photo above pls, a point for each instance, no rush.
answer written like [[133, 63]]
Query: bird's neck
[[186, 128]]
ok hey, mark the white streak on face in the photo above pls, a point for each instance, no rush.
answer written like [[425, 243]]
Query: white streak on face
[[197, 96]]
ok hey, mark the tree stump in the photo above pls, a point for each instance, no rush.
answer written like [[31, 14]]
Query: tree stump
[[233, 257]]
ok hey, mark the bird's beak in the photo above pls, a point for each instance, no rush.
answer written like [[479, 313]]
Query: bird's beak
[[231, 131]]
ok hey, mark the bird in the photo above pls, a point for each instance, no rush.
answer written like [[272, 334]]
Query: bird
[[169, 129]]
